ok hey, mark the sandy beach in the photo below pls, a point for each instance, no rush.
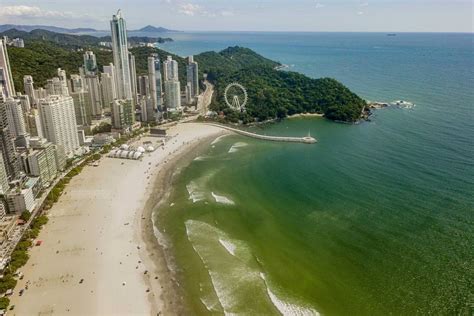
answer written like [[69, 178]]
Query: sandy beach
[[101, 232]]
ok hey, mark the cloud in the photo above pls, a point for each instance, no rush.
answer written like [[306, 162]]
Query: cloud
[[319, 5], [360, 13], [190, 9], [29, 11]]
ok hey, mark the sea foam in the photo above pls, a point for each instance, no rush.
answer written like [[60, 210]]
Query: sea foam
[[195, 194], [222, 199], [286, 308], [236, 147]]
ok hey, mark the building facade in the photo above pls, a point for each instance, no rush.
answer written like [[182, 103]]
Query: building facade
[[58, 120]]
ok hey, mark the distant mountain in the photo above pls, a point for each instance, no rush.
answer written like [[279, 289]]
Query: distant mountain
[[74, 40], [153, 29], [29, 28]]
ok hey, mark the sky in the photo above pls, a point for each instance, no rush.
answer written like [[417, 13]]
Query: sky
[[250, 15]]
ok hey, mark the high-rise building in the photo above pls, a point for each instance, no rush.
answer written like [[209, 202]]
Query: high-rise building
[[94, 94], [107, 86], [156, 81], [147, 109], [193, 76], [123, 114], [4, 186], [121, 60], [82, 100], [58, 120], [16, 120], [82, 107], [189, 98], [63, 81], [55, 86], [133, 76], [110, 70], [90, 63], [173, 95], [7, 144], [6, 79], [34, 123], [41, 161], [144, 86], [77, 83], [170, 69], [29, 89]]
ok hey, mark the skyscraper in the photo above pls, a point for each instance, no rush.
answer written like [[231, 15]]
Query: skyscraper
[[170, 69], [133, 76], [123, 114], [94, 95], [173, 95], [144, 86], [29, 89], [156, 81], [107, 86], [63, 81], [6, 79], [90, 63], [7, 144], [58, 120], [16, 121], [193, 76], [121, 60], [110, 70]]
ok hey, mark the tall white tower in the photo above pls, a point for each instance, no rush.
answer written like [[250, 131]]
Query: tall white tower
[[120, 51]]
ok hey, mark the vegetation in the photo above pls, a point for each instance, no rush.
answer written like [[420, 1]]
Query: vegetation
[[25, 216], [4, 302], [75, 41], [103, 127], [276, 94]]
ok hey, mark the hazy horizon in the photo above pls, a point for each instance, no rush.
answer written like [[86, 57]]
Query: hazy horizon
[[418, 16]]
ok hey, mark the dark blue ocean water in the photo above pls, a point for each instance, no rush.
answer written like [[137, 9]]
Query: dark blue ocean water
[[377, 218]]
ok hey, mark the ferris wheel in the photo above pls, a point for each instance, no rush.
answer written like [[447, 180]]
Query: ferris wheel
[[236, 97]]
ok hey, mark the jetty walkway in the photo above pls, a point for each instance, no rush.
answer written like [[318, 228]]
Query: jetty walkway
[[305, 140]]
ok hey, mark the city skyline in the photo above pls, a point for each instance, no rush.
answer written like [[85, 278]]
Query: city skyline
[[262, 15]]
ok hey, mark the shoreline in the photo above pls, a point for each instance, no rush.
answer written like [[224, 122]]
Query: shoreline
[[99, 254], [155, 255]]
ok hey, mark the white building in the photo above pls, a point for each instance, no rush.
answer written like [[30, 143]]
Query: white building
[[110, 70], [16, 121], [121, 60], [170, 69], [58, 120], [29, 88], [173, 95], [107, 85], [90, 63], [6, 79], [95, 97], [193, 76]]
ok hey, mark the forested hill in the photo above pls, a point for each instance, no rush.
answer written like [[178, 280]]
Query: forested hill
[[75, 41], [273, 93]]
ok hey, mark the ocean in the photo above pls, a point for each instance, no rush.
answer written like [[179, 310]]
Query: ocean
[[375, 219]]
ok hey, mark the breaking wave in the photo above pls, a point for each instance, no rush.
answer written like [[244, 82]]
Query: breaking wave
[[238, 284], [236, 147], [222, 199]]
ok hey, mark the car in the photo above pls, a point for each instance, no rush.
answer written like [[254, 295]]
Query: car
[[21, 292]]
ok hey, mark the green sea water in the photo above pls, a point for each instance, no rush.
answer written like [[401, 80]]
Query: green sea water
[[374, 219]]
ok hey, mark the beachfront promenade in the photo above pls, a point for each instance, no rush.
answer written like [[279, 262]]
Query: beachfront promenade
[[306, 140]]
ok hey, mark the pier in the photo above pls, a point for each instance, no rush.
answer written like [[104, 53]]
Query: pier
[[305, 140]]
